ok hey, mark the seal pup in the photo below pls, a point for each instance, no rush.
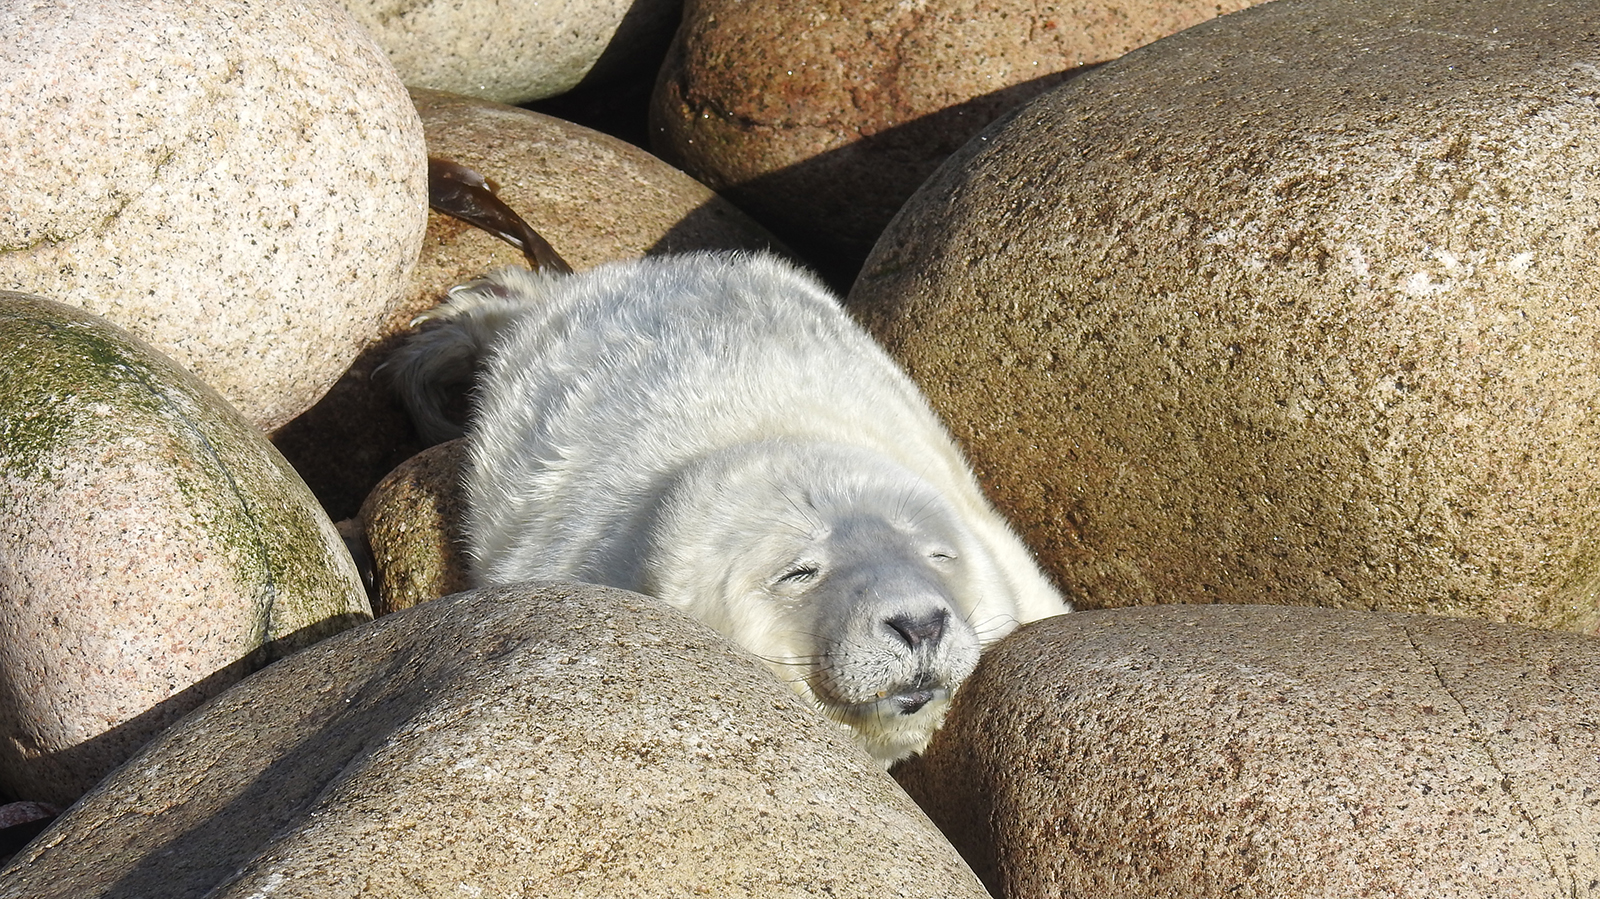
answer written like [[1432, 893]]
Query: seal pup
[[716, 431]]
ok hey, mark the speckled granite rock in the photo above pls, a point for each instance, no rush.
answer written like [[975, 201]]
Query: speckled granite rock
[[1251, 751], [154, 548], [821, 117], [1296, 306], [412, 524], [521, 52], [562, 740], [242, 184], [593, 197]]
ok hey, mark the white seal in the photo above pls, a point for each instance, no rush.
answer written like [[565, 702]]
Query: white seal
[[714, 430]]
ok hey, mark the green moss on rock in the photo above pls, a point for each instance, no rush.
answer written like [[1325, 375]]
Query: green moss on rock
[[72, 383]]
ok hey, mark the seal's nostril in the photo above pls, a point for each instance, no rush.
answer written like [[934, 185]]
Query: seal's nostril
[[928, 629]]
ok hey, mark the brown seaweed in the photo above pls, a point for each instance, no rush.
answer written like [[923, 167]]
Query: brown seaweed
[[460, 192]]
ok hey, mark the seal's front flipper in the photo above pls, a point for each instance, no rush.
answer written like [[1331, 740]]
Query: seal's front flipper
[[463, 193]]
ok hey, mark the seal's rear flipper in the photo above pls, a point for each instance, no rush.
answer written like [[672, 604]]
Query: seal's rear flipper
[[433, 371]]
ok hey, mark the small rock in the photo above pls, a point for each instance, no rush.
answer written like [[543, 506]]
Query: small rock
[[412, 521], [593, 197], [154, 549], [1252, 751], [241, 184], [18, 814], [20, 822], [513, 54], [1296, 306], [355, 540], [557, 740], [822, 117]]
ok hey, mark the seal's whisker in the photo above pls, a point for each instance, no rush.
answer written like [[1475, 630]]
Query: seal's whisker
[[992, 626]]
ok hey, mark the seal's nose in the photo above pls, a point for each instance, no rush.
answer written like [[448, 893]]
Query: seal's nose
[[916, 631]]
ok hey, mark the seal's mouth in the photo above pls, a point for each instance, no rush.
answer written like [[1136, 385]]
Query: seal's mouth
[[906, 702]]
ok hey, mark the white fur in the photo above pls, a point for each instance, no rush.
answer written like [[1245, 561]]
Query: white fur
[[714, 430]]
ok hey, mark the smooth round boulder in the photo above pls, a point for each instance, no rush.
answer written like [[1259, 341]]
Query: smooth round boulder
[[1191, 752], [154, 548], [1296, 306], [821, 117], [242, 184], [592, 196], [513, 54], [537, 740], [411, 523]]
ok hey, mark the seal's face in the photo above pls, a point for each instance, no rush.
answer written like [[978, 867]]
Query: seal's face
[[885, 638], [850, 577]]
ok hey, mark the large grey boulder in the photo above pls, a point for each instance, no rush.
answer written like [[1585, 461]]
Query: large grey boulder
[[241, 184], [1296, 306], [1192, 752], [556, 740], [154, 549]]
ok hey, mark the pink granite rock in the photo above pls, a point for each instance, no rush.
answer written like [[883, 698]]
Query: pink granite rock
[[154, 549], [1296, 306], [1235, 752], [820, 117], [595, 198], [241, 184]]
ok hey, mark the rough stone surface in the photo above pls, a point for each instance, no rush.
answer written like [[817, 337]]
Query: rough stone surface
[[1295, 307], [593, 197], [242, 184], [516, 53], [822, 117], [562, 740], [1251, 751], [154, 548], [412, 522]]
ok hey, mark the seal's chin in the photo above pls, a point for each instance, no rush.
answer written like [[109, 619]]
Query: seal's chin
[[895, 725], [892, 719], [906, 702]]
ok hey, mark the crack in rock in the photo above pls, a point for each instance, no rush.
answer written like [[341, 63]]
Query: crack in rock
[[1551, 854]]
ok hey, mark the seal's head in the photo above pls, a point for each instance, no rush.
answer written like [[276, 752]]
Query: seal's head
[[851, 577]]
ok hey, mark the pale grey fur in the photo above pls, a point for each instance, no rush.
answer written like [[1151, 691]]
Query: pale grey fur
[[714, 430]]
